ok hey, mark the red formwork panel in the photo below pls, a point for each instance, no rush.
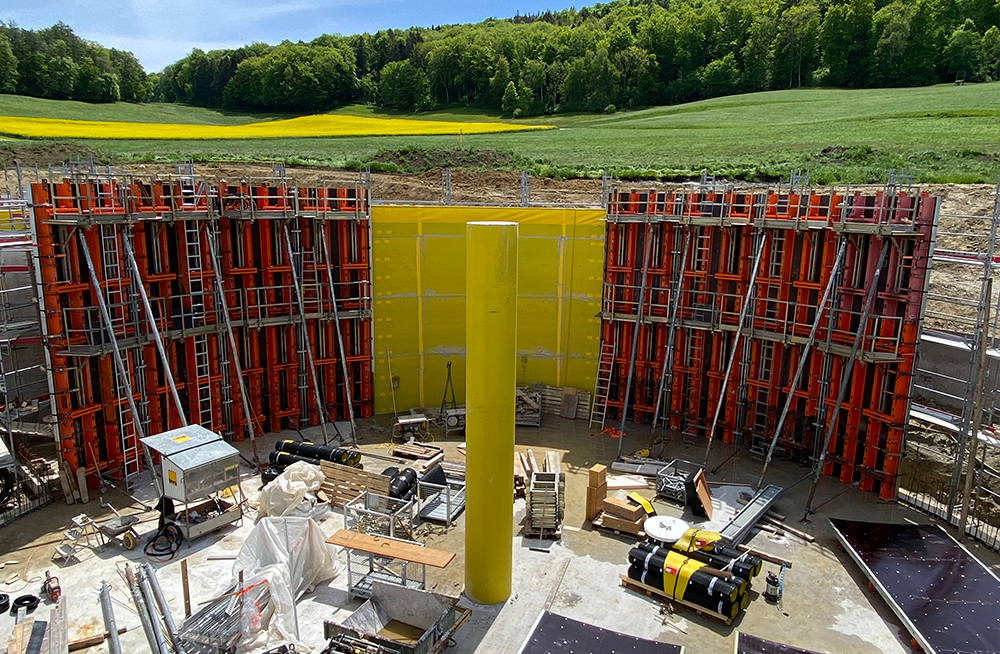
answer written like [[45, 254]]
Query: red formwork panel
[[247, 222], [803, 233]]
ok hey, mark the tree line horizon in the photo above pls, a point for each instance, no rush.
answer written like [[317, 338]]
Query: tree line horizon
[[619, 55]]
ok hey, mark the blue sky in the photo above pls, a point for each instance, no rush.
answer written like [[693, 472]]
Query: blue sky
[[159, 32]]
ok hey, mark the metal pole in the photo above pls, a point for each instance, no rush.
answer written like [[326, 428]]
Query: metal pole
[[161, 602], [144, 617], [635, 334], [126, 242], [845, 377], [106, 317], [804, 357], [247, 415], [114, 645], [747, 301], [340, 338], [977, 421], [667, 370], [154, 621], [305, 336]]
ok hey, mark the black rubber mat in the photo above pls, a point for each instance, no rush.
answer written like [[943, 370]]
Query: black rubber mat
[[554, 634], [946, 597], [747, 644]]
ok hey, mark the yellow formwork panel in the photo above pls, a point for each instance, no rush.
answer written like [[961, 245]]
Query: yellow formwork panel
[[418, 269]]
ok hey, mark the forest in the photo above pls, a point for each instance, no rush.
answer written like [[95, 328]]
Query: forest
[[620, 55], [56, 63]]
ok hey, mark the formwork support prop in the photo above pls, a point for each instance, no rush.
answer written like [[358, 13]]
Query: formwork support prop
[[305, 337], [845, 377], [106, 318], [126, 243], [247, 415], [747, 301], [667, 373], [340, 336], [804, 357], [635, 334]]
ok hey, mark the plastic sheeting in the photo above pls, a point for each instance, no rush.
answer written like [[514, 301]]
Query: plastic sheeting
[[284, 495], [291, 554]]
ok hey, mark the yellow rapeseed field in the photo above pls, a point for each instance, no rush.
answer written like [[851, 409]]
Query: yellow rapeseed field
[[305, 126]]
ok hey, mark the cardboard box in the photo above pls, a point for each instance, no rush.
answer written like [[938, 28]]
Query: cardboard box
[[622, 508], [621, 524], [598, 475], [595, 500]]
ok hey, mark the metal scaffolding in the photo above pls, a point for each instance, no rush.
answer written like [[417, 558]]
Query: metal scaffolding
[[960, 318], [244, 306], [752, 295]]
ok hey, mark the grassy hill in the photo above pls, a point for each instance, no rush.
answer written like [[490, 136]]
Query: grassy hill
[[941, 133]]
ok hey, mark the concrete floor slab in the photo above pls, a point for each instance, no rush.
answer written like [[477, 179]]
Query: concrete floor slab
[[826, 607]]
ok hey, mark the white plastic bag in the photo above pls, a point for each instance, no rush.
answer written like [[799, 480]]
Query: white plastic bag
[[287, 491], [292, 555]]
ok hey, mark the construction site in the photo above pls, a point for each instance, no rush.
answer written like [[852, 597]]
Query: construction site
[[265, 409]]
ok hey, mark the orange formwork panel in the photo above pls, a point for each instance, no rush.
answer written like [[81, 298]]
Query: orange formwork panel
[[161, 218], [804, 231]]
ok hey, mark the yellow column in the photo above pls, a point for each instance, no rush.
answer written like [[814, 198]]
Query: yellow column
[[490, 367]]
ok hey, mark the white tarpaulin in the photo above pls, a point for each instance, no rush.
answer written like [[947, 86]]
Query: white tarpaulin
[[283, 496], [292, 555]]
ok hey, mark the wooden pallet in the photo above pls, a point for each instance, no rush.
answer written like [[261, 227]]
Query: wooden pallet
[[660, 596], [542, 533], [343, 483]]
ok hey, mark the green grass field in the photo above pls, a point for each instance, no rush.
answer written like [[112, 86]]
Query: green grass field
[[941, 134]]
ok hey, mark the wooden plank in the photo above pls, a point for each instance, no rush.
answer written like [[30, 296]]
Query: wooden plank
[[570, 399], [532, 464], [609, 521], [770, 558], [553, 461], [391, 548], [344, 483], [81, 482], [656, 593], [66, 488], [621, 482], [622, 509], [702, 496], [801, 534], [58, 638]]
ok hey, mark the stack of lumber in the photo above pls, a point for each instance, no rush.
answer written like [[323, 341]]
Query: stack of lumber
[[597, 490], [343, 484], [564, 401], [425, 455], [527, 407], [620, 514], [545, 494]]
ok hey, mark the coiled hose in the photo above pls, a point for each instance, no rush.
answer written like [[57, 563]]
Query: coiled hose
[[165, 543]]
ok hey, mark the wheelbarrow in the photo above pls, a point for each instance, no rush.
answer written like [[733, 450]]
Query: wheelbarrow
[[122, 526]]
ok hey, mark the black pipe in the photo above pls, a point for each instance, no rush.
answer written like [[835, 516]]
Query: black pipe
[[281, 460], [724, 605], [403, 483], [339, 455], [710, 584]]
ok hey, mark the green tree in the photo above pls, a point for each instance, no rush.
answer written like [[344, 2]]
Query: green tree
[[963, 50], [796, 46], [845, 40], [402, 86], [498, 83], [8, 67], [892, 25], [989, 67], [510, 102], [720, 77]]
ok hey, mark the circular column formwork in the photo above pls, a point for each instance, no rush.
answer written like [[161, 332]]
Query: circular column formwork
[[490, 371]]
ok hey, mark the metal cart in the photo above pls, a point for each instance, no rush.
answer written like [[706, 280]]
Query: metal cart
[[196, 465]]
